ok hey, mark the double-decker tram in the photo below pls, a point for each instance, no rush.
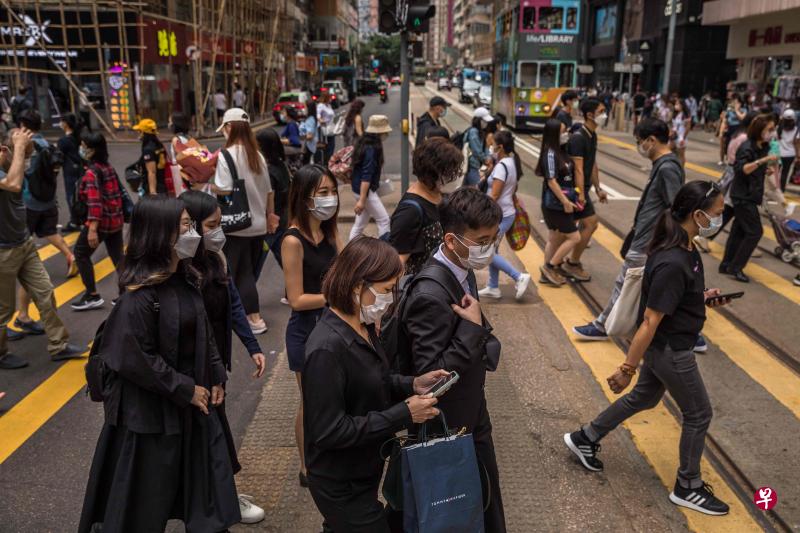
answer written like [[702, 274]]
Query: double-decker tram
[[535, 59]]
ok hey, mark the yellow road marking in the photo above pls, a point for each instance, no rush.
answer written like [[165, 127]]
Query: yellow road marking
[[655, 432], [48, 251], [782, 383]]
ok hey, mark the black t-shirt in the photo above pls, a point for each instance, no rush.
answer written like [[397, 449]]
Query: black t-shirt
[[674, 284], [416, 230], [280, 180], [153, 151], [638, 100], [583, 143], [565, 117], [563, 173]]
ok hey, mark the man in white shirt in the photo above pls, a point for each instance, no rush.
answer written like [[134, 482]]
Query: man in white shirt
[[220, 103], [239, 97]]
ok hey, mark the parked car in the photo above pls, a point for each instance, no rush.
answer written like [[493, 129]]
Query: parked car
[[444, 83], [335, 101], [339, 89], [484, 97], [296, 99]]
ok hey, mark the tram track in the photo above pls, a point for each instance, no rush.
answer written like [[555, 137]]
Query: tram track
[[739, 482]]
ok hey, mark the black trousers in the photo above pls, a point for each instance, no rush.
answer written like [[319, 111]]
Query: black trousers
[[83, 255], [349, 507], [494, 518], [786, 166], [745, 234], [244, 255]]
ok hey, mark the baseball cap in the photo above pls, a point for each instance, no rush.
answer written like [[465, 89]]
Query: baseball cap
[[483, 114], [146, 125], [438, 100], [789, 113], [234, 114]]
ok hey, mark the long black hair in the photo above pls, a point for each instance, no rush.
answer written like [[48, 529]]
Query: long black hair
[[151, 238], [360, 149], [180, 123], [209, 266], [305, 183], [506, 140], [271, 146], [477, 123], [693, 196], [75, 124], [355, 109], [97, 144], [551, 140]]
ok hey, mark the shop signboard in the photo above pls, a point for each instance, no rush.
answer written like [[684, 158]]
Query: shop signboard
[[164, 42], [119, 96], [766, 36]]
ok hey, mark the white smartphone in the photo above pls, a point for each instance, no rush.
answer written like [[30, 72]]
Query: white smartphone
[[443, 385]]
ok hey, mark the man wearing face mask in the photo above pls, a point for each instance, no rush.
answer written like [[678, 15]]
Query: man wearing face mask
[[437, 108], [582, 147], [442, 320], [666, 178], [569, 101]]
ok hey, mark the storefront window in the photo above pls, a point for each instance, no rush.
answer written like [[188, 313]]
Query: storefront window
[[551, 18], [605, 24]]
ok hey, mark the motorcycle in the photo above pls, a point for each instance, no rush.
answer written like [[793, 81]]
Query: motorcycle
[[384, 96]]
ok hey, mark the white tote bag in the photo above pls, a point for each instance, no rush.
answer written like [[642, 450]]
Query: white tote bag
[[621, 321]]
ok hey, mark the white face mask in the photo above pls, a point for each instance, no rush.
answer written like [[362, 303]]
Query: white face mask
[[324, 207], [477, 259], [642, 150], [563, 138], [373, 313], [187, 243], [714, 223], [600, 119], [214, 239], [448, 188]]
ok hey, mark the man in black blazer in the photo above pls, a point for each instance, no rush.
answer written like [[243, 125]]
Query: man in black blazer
[[446, 329]]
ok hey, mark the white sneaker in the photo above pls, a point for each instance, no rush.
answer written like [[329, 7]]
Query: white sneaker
[[251, 513], [258, 327], [284, 301], [522, 285], [489, 292], [790, 207]]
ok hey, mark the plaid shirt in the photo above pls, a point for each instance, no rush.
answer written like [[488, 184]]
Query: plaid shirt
[[103, 198]]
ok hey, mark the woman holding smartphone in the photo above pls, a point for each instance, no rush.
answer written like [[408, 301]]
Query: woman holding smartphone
[[671, 317], [352, 403]]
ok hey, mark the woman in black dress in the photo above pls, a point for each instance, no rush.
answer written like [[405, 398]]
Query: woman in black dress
[[162, 452], [308, 249]]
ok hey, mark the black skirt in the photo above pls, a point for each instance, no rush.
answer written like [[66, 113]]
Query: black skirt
[[139, 481]]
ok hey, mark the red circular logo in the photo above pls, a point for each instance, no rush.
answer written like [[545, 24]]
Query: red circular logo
[[765, 498]]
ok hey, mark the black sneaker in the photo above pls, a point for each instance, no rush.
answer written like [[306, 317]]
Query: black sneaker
[[31, 328], [701, 500], [11, 362], [86, 302], [14, 335], [70, 351], [584, 449]]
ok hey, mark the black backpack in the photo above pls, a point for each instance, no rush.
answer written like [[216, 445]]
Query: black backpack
[[42, 179], [393, 338], [458, 139]]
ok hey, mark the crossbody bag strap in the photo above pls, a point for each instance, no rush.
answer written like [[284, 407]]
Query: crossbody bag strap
[[231, 164]]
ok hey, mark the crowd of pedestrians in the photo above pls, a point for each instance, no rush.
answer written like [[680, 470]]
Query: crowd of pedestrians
[[375, 322]]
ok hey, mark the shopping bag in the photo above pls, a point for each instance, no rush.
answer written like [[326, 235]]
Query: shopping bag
[[621, 321], [520, 231], [341, 164], [235, 207], [441, 485]]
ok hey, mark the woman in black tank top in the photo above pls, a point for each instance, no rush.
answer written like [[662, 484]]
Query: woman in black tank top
[[308, 249]]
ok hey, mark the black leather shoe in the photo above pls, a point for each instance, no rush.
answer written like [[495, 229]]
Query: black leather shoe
[[723, 268], [740, 276], [14, 335], [31, 328], [70, 351], [11, 362]]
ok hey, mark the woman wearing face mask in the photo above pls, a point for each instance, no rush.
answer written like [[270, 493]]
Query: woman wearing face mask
[[789, 141], [161, 453], [224, 309], [290, 136], [747, 193], [99, 190], [244, 248], [557, 169], [367, 168], [309, 134], [416, 232], [674, 299], [502, 188], [352, 403], [308, 249], [479, 148]]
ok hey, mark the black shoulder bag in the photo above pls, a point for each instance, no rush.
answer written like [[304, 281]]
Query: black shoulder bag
[[235, 208]]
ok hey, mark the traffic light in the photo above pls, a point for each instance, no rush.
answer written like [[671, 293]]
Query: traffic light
[[419, 14], [387, 17]]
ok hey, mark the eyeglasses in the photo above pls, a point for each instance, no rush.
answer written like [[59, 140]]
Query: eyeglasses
[[484, 247]]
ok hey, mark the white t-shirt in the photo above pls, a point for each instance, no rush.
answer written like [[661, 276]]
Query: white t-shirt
[[239, 98], [506, 171], [256, 185], [220, 101], [786, 142], [325, 114]]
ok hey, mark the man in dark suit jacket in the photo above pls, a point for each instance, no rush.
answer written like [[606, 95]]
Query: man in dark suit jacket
[[446, 329]]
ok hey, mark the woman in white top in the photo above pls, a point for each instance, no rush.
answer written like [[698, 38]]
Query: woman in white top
[[325, 117], [789, 143], [502, 187], [243, 248], [680, 126]]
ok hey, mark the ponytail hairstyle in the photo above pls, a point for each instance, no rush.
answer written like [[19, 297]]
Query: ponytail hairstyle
[[693, 196], [506, 140]]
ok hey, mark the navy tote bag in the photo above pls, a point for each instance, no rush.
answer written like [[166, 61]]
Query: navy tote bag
[[441, 485]]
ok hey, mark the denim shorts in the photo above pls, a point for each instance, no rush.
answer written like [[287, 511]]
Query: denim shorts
[[300, 326]]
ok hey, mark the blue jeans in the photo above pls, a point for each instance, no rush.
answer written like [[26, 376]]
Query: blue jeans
[[498, 261], [472, 178]]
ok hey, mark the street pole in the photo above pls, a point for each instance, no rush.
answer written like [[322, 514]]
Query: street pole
[[405, 74], [670, 45]]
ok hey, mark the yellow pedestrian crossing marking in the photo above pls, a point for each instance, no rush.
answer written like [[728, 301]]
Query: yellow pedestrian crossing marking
[[777, 379], [655, 432], [48, 251]]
